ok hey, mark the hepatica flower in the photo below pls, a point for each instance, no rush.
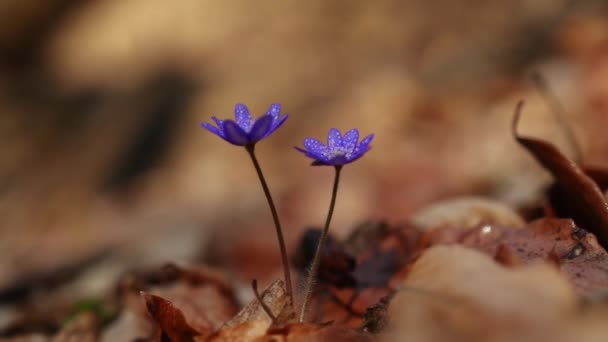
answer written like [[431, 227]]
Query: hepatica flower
[[339, 150], [244, 130]]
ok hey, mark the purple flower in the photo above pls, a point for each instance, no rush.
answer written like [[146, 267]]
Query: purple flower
[[339, 150], [245, 131]]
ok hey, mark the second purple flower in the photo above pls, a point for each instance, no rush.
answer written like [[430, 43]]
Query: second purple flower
[[339, 150]]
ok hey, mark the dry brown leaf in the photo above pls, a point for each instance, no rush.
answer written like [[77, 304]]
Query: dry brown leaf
[[506, 256], [581, 259], [171, 320], [358, 272], [312, 332], [599, 175], [205, 306], [575, 195], [462, 272], [252, 323], [466, 212], [275, 297], [254, 330], [458, 294], [203, 295], [258, 331]]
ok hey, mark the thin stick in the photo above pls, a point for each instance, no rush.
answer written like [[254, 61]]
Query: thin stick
[[277, 223], [559, 113], [316, 261], [254, 286]]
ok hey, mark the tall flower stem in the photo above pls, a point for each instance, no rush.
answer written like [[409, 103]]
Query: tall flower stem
[[286, 270], [316, 261]]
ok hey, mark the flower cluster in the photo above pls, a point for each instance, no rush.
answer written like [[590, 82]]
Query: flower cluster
[[245, 131], [339, 150]]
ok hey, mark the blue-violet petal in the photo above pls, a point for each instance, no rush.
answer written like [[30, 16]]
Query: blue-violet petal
[[274, 110], [212, 129], [260, 128], [350, 140], [242, 116], [234, 134], [334, 139]]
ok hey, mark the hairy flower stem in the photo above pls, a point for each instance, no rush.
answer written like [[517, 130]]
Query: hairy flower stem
[[286, 269], [316, 261]]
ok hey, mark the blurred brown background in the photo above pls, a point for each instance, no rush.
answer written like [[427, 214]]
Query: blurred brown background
[[104, 167]]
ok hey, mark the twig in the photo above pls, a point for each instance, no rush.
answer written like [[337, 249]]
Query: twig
[[254, 286]]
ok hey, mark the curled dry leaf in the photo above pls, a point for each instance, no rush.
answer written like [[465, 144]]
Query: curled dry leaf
[[575, 195], [199, 291], [599, 176], [454, 293], [203, 296], [170, 319], [205, 307]]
